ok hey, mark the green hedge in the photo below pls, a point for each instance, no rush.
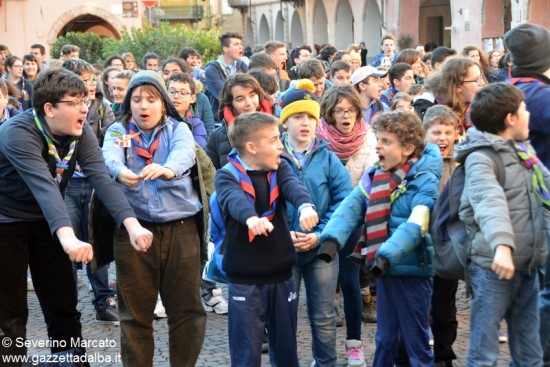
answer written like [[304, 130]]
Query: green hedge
[[165, 40], [91, 46]]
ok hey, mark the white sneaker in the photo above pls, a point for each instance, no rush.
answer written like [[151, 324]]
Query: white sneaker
[[356, 356], [502, 337], [160, 311], [217, 303], [30, 286]]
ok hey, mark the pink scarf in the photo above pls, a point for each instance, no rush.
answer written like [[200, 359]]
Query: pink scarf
[[344, 146]]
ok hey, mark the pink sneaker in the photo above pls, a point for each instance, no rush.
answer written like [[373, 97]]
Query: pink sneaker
[[356, 357]]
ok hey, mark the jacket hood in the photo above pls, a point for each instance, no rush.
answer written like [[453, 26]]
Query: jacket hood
[[476, 139], [430, 161], [148, 77]]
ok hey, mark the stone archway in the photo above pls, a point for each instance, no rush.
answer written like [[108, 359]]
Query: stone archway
[[296, 30], [344, 26], [60, 23], [263, 34], [320, 21], [279, 27], [372, 31], [434, 16], [249, 33]]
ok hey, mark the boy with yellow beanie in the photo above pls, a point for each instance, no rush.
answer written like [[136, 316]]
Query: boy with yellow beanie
[[328, 183]]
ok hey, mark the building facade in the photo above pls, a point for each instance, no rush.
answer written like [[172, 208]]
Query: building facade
[[454, 23]]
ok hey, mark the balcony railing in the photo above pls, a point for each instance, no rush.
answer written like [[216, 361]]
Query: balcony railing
[[187, 12]]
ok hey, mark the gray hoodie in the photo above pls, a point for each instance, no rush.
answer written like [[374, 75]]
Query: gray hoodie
[[494, 215]]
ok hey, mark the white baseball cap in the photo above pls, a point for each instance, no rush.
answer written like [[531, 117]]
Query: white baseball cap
[[363, 72]]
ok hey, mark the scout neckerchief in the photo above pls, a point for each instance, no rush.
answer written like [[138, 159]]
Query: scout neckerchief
[[292, 152], [60, 165], [532, 162], [386, 188], [248, 187], [139, 147]]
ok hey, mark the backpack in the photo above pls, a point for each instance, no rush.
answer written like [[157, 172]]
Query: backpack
[[450, 239], [214, 270]]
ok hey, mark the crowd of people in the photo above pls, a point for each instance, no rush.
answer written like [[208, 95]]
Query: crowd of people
[[324, 168]]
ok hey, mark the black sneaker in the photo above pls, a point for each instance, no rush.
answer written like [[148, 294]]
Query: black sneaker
[[108, 315]]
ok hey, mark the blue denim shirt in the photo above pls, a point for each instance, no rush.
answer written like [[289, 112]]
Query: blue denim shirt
[[159, 200]]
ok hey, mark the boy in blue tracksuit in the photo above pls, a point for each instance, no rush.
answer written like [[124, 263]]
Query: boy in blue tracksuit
[[393, 201], [328, 183], [260, 254]]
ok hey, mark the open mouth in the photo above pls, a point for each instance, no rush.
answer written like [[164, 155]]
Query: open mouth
[[143, 117], [304, 131], [80, 122], [381, 159], [442, 148]]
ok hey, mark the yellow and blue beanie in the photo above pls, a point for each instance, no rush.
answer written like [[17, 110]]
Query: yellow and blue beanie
[[301, 99]]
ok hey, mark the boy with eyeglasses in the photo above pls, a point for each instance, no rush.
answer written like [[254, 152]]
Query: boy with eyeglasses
[[38, 153], [79, 190], [181, 90]]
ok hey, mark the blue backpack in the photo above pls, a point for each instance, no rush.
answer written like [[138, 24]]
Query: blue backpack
[[217, 234], [450, 239]]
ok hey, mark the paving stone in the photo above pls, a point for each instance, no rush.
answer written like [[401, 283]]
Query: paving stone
[[215, 350]]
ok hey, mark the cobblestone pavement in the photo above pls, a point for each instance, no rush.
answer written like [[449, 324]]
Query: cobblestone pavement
[[215, 350]]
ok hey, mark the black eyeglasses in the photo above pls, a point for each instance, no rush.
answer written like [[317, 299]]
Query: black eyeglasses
[[180, 93], [342, 113], [478, 81], [77, 103]]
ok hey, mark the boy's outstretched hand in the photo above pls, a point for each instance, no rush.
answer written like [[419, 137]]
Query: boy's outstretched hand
[[140, 238], [503, 264], [78, 251], [308, 218], [259, 226]]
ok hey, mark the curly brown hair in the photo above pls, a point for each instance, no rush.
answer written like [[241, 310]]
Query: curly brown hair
[[406, 125]]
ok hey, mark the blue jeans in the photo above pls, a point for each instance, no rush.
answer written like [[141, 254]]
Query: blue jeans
[[514, 300], [320, 280], [544, 302], [77, 201]]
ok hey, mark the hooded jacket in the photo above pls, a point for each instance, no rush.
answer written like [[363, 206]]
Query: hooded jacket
[[327, 181], [494, 215], [408, 253]]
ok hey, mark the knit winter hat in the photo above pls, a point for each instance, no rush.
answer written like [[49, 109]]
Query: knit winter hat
[[301, 99], [529, 45], [149, 77]]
